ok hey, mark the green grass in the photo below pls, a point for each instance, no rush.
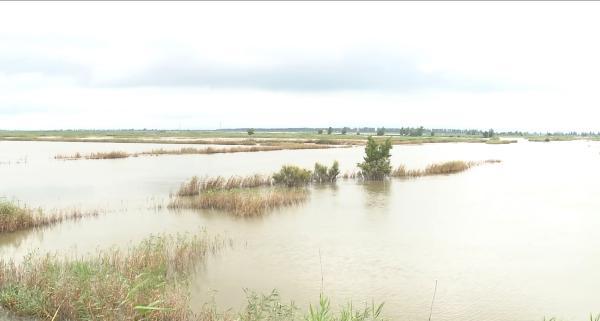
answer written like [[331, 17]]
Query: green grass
[[14, 217], [148, 282]]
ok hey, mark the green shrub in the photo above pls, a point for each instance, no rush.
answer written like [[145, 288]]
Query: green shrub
[[292, 176], [376, 164], [322, 174], [250, 131]]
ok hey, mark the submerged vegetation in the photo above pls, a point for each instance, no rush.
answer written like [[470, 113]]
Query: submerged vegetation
[[191, 151], [444, 168], [148, 282], [242, 202], [14, 217]]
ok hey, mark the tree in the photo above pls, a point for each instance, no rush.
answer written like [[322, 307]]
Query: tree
[[320, 132], [380, 131], [344, 130], [329, 131], [376, 164], [250, 131]]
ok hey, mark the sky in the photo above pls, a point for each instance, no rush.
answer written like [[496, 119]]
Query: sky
[[207, 65]]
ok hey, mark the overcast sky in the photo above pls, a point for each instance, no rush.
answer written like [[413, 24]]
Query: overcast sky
[[198, 65]]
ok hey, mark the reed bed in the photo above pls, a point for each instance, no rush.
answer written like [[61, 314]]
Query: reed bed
[[191, 151], [196, 185], [444, 168], [242, 202], [14, 218], [147, 282]]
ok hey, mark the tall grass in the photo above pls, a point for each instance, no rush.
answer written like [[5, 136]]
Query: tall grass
[[269, 307], [147, 282], [14, 218], [196, 185], [242, 202], [444, 168]]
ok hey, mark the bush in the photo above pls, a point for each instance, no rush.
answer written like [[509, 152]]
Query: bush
[[322, 174], [292, 176], [320, 132], [380, 131], [376, 164], [250, 131], [329, 131]]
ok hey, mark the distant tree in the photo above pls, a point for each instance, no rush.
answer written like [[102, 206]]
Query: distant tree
[[432, 133], [320, 132], [488, 133], [344, 130], [376, 163], [420, 131], [358, 132], [250, 131], [329, 131], [380, 131]]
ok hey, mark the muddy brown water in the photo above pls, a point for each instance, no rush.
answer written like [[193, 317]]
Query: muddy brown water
[[512, 241]]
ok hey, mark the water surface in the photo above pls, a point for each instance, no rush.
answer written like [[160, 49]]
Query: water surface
[[510, 241]]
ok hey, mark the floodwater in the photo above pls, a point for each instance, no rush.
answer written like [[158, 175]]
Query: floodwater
[[517, 240]]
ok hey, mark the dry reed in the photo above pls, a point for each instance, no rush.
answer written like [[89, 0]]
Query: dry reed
[[195, 186], [192, 151], [242, 202], [14, 218], [444, 168]]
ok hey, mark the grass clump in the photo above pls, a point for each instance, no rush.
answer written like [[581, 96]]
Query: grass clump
[[147, 282], [322, 174], [108, 155], [14, 217], [242, 202], [195, 186], [444, 168], [269, 307]]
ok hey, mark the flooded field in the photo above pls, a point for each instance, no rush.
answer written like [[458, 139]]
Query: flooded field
[[516, 240]]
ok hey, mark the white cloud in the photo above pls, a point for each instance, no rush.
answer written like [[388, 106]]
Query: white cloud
[[292, 64]]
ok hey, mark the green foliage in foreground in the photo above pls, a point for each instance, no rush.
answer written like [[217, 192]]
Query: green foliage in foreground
[[147, 282], [270, 308], [376, 164]]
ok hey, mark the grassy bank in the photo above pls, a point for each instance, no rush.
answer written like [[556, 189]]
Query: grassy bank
[[14, 217], [147, 282]]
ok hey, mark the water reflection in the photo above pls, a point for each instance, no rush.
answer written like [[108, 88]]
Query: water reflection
[[376, 193]]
